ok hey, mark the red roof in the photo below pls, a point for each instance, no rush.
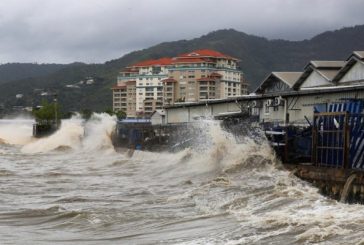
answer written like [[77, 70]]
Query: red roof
[[169, 80], [118, 86], [130, 69], [215, 74], [130, 82], [158, 62], [206, 53], [190, 60]]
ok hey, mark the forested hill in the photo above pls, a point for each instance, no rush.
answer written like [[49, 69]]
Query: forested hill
[[259, 56], [15, 71]]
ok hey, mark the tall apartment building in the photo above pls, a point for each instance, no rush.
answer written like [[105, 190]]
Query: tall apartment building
[[205, 74], [143, 81], [199, 75], [124, 98]]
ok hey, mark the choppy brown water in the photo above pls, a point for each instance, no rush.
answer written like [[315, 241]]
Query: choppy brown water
[[73, 188]]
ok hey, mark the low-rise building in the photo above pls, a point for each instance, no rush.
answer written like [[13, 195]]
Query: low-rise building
[[158, 117], [288, 97], [318, 74]]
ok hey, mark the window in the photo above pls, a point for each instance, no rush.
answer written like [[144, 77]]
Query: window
[[156, 70]]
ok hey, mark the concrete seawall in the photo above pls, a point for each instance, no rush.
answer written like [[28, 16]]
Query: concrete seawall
[[340, 184]]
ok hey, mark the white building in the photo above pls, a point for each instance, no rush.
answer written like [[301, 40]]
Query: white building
[[158, 117], [147, 77]]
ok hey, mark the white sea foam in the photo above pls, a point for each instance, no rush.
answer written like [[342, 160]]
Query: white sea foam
[[17, 131], [76, 134], [165, 197], [68, 136], [98, 132]]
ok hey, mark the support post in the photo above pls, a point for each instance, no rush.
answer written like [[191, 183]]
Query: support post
[[346, 135], [314, 141]]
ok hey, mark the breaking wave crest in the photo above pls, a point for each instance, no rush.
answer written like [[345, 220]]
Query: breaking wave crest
[[217, 191], [77, 134], [74, 133], [247, 181]]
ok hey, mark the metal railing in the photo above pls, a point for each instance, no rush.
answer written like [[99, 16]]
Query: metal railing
[[331, 139]]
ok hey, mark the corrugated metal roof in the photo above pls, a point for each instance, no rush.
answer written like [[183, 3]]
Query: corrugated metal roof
[[289, 78], [328, 74], [327, 63], [356, 56], [360, 54], [327, 68]]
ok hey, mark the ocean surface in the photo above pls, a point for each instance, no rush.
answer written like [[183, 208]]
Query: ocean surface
[[74, 188]]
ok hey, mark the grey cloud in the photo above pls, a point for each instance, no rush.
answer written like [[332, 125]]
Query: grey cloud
[[96, 31]]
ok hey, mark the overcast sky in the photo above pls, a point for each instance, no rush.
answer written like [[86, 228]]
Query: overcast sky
[[63, 31]]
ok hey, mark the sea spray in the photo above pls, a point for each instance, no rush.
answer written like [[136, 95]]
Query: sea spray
[[216, 191], [17, 131], [98, 131], [68, 136], [215, 148], [77, 134]]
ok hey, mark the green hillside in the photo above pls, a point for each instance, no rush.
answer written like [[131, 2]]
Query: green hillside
[[259, 56], [15, 71]]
